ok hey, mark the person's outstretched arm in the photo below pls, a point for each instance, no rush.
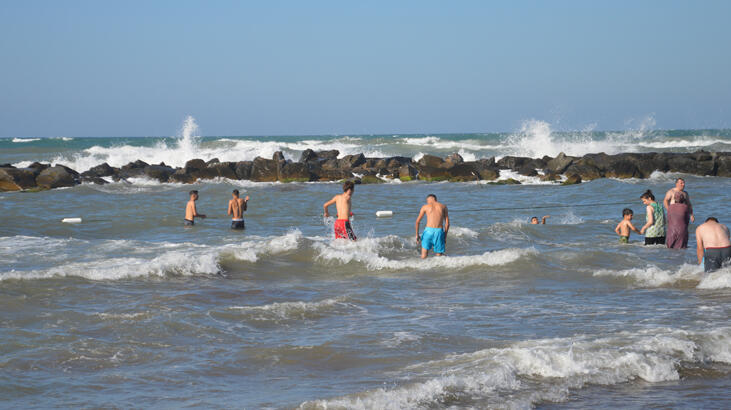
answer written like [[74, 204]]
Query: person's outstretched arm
[[422, 211], [543, 220], [650, 219], [327, 204]]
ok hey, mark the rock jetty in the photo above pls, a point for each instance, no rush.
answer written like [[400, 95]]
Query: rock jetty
[[327, 166]]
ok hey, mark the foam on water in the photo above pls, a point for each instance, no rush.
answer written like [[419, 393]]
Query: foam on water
[[291, 310], [653, 276], [531, 372], [25, 139]]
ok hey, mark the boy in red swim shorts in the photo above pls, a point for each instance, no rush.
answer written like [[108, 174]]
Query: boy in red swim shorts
[[342, 203]]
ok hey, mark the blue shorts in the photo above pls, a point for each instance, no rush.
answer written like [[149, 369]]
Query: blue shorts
[[433, 238]]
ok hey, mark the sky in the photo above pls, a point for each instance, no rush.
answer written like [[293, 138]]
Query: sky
[[138, 68]]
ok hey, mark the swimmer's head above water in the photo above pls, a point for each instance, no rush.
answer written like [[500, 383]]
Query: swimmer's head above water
[[348, 186], [193, 195]]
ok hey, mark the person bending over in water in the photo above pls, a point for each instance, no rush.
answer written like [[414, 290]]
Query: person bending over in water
[[654, 228], [437, 226], [190, 212], [342, 226], [236, 208], [534, 220], [625, 226], [714, 246]]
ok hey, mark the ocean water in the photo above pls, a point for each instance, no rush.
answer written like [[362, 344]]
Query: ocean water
[[131, 309]]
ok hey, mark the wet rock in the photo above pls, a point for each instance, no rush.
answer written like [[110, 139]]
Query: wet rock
[[212, 162], [488, 174], [309, 155], [364, 171], [510, 162], [407, 172], [325, 155], [351, 161], [101, 170], [397, 162], [723, 166], [139, 164], [689, 165], [463, 172], [264, 170], [528, 170], [223, 170], [17, 179], [559, 164], [57, 177], [182, 176], [370, 179], [296, 172], [550, 176], [38, 167], [90, 179], [509, 181], [622, 168], [585, 168], [572, 179], [6, 166], [330, 164], [278, 156], [430, 161], [158, 172], [334, 174], [194, 165], [243, 170], [428, 173], [453, 159]]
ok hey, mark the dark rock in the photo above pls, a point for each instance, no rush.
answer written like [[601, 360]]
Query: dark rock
[[334, 174], [194, 165], [158, 172], [453, 159], [296, 172], [264, 170], [510, 162], [331, 154], [330, 164], [182, 176], [509, 181], [139, 164], [723, 166], [38, 167], [488, 174], [463, 172], [685, 163], [430, 161], [309, 155], [101, 170], [243, 170], [6, 166], [550, 176], [397, 162], [586, 168], [407, 172], [527, 170], [364, 171], [90, 179], [572, 179], [278, 156], [17, 179], [351, 161], [57, 177], [370, 179], [622, 168], [428, 173], [559, 164], [224, 170], [212, 162]]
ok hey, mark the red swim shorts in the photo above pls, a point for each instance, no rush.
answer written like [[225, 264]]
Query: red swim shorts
[[343, 230]]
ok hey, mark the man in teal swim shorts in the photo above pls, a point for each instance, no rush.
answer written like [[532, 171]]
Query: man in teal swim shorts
[[437, 226]]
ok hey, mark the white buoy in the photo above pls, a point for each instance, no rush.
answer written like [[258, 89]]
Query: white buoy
[[383, 214], [71, 220]]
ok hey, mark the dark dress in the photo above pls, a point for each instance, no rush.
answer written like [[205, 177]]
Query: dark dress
[[678, 219]]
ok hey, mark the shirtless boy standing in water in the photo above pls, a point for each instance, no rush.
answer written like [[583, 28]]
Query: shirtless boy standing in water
[[342, 203], [236, 208], [437, 226], [190, 212]]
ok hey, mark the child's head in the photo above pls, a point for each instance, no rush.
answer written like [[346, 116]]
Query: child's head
[[627, 213], [647, 197], [193, 194], [348, 186], [534, 220], [235, 193]]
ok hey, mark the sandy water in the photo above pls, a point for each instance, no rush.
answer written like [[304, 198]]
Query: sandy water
[[131, 309]]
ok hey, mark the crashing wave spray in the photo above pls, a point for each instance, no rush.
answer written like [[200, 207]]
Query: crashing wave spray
[[188, 138]]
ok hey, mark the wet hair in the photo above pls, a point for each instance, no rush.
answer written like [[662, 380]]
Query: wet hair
[[193, 192], [533, 217], [627, 211], [236, 192], [348, 185], [712, 218], [431, 195], [679, 179], [648, 195]]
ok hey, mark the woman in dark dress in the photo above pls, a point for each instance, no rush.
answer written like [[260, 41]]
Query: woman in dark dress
[[680, 213]]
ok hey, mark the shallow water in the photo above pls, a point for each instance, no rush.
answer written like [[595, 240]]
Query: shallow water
[[131, 309]]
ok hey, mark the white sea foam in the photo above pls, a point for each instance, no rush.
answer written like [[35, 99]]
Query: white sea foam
[[531, 372], [653, 276], [25, 139], [400, 338], [460, 232], [291, 310]]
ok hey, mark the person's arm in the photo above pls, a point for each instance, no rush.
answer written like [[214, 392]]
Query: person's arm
[[327, 204], [446, 221], [246, 203], [230, 206], [196, 214], [418, 222], [650, 219], [543, 220], [666, 201], [700, 248], [632, 227], [690, 207], [617, 229]]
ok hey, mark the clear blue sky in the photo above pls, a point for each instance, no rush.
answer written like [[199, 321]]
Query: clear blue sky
[[137, 68]]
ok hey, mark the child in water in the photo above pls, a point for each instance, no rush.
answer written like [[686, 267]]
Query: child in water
[[625, 226]]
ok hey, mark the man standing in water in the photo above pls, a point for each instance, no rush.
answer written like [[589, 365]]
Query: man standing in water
[[680, 210], [437, 226], [190, 211], [236, 208], [714, 245], [342, 227]]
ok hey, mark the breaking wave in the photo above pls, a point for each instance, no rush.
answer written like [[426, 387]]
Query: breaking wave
[[686, 274]]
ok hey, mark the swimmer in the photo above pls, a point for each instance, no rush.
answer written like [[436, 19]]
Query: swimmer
[[714, 245], [342, 227], [190, 211], [437, 226], [534, 220], [625, 226], [236, 208]]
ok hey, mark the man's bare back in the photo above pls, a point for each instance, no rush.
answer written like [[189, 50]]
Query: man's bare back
[[713, 235], [343, 205], [236, 207], [437, 225], [435, 214]]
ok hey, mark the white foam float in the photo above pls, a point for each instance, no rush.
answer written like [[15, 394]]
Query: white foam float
[[71, 220], [383, 214]]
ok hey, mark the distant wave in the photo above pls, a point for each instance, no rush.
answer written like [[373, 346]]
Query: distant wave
[[25, 139], [527, 373]]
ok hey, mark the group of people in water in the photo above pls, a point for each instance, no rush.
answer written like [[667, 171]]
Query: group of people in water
[[712, 237]]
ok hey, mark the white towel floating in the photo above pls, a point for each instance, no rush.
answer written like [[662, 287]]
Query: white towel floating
[[71, 220], [382, 214]]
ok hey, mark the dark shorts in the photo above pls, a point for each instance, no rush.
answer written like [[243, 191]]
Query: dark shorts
[[187, 222], [715, 258], [658, 240], [237, 224]]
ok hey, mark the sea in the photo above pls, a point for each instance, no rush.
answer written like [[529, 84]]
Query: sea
[[130, 309]]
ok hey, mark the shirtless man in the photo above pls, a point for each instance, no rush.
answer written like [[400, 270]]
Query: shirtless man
[[236, 208], [342, 226], [714, 246], [190, 212], [437, 226], [534, 220], [670, 197]]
